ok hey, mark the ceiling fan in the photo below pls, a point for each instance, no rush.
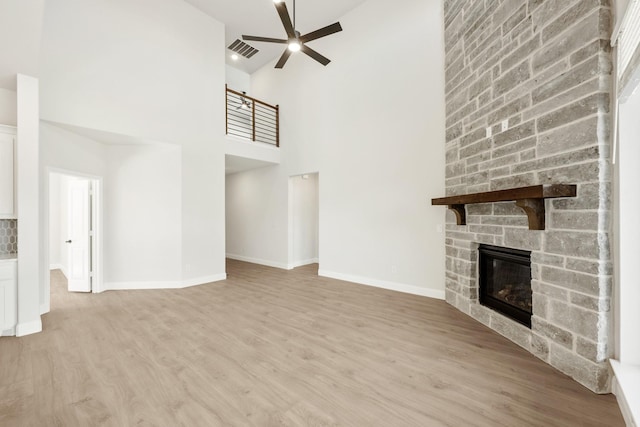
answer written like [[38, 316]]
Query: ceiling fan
[[296, 41]]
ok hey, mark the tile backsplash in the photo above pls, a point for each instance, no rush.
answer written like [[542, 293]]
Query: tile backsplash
[[8, 236]]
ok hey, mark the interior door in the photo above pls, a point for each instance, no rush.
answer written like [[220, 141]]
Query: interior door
[[79, 232]]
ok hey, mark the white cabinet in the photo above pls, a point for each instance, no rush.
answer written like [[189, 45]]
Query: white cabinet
[[8, 297], [7, 156]]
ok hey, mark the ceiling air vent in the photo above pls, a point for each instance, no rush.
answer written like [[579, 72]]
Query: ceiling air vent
[[241, 48]]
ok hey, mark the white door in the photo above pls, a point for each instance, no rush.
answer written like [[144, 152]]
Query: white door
[[79, 231]]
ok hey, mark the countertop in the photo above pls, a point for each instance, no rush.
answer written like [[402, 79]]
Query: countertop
[[8, 257]]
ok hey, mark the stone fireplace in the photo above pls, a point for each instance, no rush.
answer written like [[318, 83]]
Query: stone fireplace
[[527, 91]]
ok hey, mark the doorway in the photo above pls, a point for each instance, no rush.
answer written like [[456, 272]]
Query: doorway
[[73, 231], [304, 223]]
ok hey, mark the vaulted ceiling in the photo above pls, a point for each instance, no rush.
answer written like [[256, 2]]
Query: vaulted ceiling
[[21, 29], [259, 18]]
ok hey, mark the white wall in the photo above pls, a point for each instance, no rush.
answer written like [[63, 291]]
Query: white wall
[[146, 68], [372, 123], [257, 219], [20, 37], [142, 184], [142, 233], [303, 191], [150, 69], [238, 80], [8, 112]]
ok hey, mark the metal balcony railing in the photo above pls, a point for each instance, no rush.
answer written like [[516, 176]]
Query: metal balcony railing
[[251, 118]]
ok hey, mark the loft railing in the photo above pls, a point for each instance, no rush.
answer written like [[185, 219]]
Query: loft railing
[[252, 119]]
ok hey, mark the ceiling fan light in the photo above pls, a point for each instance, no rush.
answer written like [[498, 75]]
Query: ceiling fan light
[[295, 46], [278, 1]]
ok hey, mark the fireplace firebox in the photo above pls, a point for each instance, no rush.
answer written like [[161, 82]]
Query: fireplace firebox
[[505, 282]]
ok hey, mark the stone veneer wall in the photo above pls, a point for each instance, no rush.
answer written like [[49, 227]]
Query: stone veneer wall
[[545, 66], [8, 236]]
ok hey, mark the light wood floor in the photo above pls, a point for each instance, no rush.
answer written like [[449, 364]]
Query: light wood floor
[[274, 348]]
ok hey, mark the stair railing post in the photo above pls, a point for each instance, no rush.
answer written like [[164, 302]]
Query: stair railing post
[[226, 109]]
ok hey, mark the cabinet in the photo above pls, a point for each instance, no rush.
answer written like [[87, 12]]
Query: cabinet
[[8, 296], [7, 177]]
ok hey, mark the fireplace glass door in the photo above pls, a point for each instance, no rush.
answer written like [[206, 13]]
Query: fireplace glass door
[[505, 282]]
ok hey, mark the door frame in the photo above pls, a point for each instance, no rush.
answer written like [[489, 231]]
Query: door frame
[[96, 243], [291, 264]]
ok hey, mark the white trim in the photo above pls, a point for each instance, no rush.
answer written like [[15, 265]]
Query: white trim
[[55, 266], [44, 308], [626, 387], [620, 17], [197, 281], [260, 261], [627, 35], [630, 87], [33, 327], [304, 262], [177, 284], [9, 129], [130, 286], [393, 286], [8, 332]]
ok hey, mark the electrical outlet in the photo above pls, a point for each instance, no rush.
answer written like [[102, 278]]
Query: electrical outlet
[[394, 269], [505, 125], [489, 132]]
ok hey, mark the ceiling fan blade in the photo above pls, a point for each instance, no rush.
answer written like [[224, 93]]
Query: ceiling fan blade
[[322, 32], [286, 19], [284, 58], [263, 39], [315, 55]]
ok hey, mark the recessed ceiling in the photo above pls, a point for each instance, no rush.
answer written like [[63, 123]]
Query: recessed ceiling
[[236, 164], [104, 137], [259, 18]]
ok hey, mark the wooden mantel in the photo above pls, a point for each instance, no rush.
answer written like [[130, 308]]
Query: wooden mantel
[[530, 199]]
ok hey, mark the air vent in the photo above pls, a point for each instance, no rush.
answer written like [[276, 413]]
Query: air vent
[[241, 48]]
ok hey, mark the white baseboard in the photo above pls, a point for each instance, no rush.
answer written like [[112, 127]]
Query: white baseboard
[[626, 387], [8, 333], [131, 286], [177, 284], [393, 286], [260, 261], [55, 267], [304, 262], [29, 328], [204, 280], [44, 309]]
